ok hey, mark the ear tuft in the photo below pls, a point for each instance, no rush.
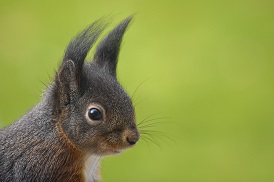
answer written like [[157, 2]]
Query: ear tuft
[[78, 47], [107, 52]]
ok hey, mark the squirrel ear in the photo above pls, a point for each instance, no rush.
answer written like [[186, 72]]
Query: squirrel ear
[[68, 77], [106, 54], [67, 83]]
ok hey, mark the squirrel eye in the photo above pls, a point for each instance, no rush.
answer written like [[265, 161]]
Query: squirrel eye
[[95, 115]]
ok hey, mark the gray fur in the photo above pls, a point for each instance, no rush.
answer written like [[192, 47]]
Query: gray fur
[[53, 140]]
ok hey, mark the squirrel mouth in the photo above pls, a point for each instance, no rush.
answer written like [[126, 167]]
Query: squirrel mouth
[[112, 151], [107, 148], [117, 151]]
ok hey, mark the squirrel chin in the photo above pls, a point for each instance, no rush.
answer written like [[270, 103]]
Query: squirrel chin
[[105, 152], [112, 152], [117, 152]]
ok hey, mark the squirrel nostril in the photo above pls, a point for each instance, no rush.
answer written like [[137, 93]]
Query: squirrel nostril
[[132, 139]]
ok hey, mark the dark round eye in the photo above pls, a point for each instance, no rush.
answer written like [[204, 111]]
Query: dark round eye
[[94, 114]]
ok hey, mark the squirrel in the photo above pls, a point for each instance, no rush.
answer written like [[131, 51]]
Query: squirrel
[[84, 115]]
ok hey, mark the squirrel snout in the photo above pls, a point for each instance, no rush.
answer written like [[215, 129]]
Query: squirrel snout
[[130, 136], [132, 139]]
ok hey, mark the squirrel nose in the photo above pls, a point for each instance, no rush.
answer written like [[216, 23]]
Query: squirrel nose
[[132, 139]]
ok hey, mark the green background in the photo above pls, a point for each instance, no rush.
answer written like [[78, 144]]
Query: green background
[[207, 68]]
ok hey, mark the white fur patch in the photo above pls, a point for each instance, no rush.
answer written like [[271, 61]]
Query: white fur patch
[[92, 168]]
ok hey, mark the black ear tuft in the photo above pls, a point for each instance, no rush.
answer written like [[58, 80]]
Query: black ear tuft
[[78, 48], [106, 55], [68, 77]]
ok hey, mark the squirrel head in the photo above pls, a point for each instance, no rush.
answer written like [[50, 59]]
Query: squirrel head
[[93, 111]]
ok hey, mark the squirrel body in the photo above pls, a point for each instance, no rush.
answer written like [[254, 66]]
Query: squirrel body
[[84, 115], [27, 147]]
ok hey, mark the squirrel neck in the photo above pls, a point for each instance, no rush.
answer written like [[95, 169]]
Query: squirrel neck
[[49, 102], [49, 99], [65, 138], [90, 163]]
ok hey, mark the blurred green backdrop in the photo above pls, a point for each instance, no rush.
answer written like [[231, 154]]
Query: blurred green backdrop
[[208, 70]]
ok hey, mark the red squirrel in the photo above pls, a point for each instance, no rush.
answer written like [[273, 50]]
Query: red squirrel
[[84, 114]]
